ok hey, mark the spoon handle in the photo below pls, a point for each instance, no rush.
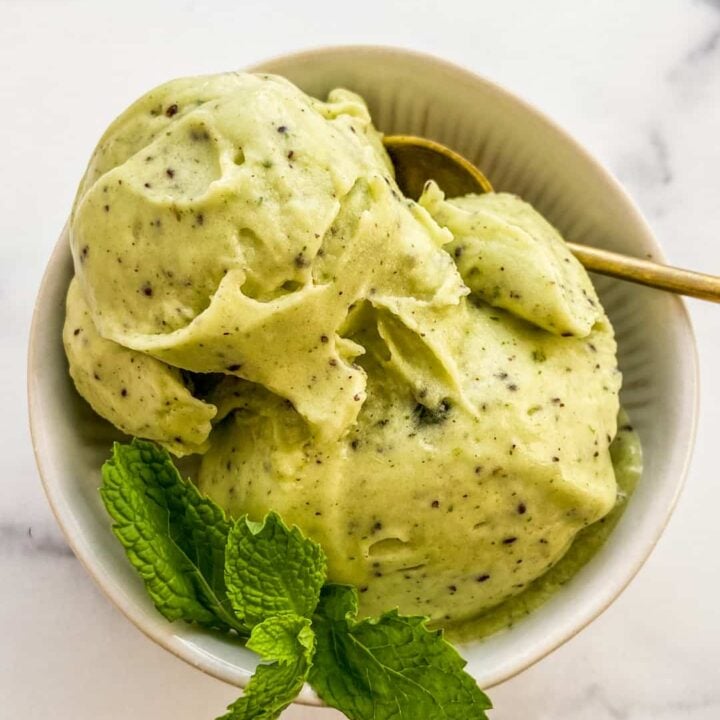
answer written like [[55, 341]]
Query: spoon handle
[[644, 272]]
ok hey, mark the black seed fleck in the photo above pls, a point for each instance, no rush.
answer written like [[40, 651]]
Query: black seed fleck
[[425, 415]]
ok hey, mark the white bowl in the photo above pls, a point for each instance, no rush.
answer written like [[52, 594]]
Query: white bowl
[[520, 150]]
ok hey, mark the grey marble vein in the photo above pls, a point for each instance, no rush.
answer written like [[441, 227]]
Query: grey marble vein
[[659, 146], [16, 538], [706, 47], [597, 693], [647, 167], [713, 3], [700, 52]]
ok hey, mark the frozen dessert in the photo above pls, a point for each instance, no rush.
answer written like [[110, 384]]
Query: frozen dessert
[[430, 389], [138, 394], [480, 450], [212, 220]]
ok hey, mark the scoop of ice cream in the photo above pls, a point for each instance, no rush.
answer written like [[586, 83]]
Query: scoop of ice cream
[[137, 393], [513, 258], [483, 445], [229, 223], [444, 503]]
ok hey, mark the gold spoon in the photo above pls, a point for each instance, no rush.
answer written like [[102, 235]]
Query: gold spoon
[[418, 160]]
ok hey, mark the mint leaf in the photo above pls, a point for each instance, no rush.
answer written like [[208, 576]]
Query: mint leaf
[[174, 536], [272, 570], [288, 643], [388, 667]]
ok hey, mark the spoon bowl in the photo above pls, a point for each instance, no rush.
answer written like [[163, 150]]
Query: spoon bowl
[[418, 160]]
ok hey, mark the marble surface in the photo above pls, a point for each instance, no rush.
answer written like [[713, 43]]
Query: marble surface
[[638, 83]]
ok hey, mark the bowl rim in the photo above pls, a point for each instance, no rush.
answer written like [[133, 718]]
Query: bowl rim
[[162, 632]]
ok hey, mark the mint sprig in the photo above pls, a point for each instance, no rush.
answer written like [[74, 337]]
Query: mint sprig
[[388, 667], [265, 582]]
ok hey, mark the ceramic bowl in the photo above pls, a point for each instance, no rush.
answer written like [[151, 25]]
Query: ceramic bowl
[[521, 151]]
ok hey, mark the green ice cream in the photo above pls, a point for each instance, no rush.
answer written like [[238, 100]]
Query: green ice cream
[[428, 389], [137, 393], [479, 453], [512, 258], [205, 234]]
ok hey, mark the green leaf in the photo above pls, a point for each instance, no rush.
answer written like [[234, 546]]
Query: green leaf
[[288, 642], [174, 536], [271, 570], [389, 667]]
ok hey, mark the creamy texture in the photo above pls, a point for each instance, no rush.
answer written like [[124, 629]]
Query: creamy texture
[[211, 232], [512, 258], [449, 508], [136, 393], [428, 389], [626, 455]]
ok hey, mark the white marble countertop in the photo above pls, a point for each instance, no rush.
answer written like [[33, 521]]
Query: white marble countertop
[[637, 82]]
